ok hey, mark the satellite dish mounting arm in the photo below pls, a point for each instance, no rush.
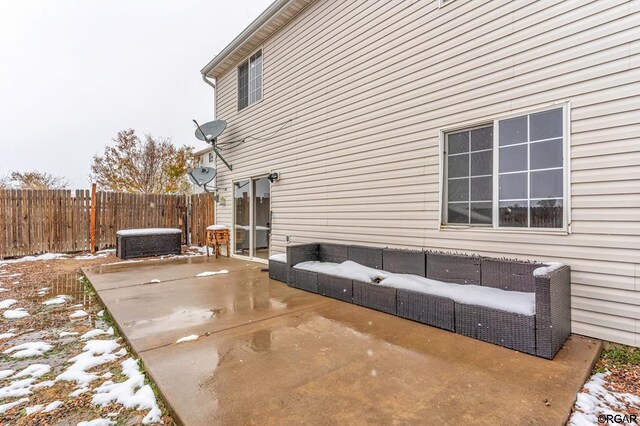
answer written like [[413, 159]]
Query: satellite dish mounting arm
[[213, 144]]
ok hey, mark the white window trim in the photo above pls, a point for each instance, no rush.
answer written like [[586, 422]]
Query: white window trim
[[246, 59], [494, 227]]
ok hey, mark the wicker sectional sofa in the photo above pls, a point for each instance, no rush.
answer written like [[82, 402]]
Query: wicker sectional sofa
[[538, 322]]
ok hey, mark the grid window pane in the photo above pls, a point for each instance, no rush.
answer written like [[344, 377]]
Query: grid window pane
[[458, 142], [546, 125], [458, 165], [513, 213], [461, 187], [481, 213], [458, 213], [513, 130], [546, 214], [482, 138], [481, 189], [458, 190], [481, 163], [513, 158], [243, 86], [545, 155], [546, 184], [539, 189], [513, 186]]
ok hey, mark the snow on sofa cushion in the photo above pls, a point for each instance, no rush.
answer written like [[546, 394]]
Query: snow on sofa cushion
[[510, 301], [348, 269]]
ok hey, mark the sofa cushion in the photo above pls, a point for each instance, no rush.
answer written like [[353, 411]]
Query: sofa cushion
[[453, 268], [404, 261], [334, 253], [509, 274], [367, 256]]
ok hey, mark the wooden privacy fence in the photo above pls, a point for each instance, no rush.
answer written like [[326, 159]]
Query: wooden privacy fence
[[33, 222]]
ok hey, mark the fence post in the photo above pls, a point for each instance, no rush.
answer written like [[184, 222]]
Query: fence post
[[187, 219], [92, 220]]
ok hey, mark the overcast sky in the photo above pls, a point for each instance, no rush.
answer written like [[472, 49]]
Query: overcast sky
[[74, 73]]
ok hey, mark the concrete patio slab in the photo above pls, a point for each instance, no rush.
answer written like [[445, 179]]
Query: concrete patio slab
[[117, 275], [199, 306], [276, 355]]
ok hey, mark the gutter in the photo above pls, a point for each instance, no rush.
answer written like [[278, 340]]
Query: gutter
[[244, 35]]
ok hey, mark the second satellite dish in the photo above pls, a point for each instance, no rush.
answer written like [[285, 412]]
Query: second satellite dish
[[211, 130], [201, 176]]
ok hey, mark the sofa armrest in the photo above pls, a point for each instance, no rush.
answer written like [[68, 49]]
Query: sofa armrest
[[302, 253], [553, 310]]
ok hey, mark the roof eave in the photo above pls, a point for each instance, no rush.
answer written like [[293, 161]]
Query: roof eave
[[271, 13]]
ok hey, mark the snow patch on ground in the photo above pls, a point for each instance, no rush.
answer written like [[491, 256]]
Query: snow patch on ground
[[68, 333], [10, 405], [34, 409], [93, 333], [6, 335], [15, 313], [97, 422], [89, 256], [187, 338], [132, 393], [46, 256], [45, 384], [596, 399], [4, 304], [17, 389], [208, 273], [6, 373], [28, 349], [78, 392], [101, 313], [53, 406], [61, 299], [34, 371], [78, 314], [154, 281], [94, 353]]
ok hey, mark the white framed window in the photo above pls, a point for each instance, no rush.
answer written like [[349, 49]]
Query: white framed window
[[508, 173], [211, 157], [250, 81]]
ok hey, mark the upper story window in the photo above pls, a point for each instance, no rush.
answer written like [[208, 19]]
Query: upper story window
[[250, 81], [508, 174]]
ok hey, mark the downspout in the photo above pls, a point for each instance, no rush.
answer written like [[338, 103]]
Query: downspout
[[206, 80]]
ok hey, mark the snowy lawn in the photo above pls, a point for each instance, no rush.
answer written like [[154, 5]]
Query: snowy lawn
[[61, 360]]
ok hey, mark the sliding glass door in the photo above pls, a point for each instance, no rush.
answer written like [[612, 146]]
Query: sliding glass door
[[252, 217]]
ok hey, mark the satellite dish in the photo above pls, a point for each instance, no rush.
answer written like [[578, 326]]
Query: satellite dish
[[212, 130], [201, 176]]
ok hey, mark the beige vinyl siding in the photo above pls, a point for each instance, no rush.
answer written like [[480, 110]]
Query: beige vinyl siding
[[369, 85]]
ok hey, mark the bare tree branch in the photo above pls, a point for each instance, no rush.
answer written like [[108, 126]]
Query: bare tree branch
[[152, 166], [37, 180]]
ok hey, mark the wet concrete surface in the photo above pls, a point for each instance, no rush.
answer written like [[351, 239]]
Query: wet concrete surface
[[270, 354]]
